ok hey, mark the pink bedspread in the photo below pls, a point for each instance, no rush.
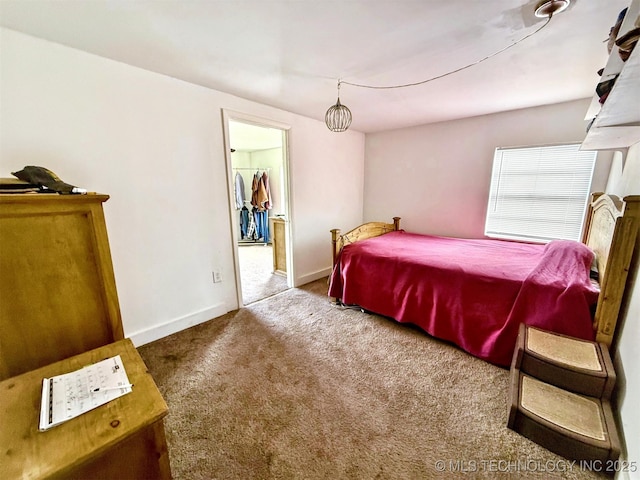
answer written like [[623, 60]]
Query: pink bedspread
[[474, 293]]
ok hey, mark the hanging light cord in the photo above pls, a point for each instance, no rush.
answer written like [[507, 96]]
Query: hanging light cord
[[448, 73]]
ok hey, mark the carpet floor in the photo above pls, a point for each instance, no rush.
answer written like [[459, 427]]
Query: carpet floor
[[256, 273], [295, 387]]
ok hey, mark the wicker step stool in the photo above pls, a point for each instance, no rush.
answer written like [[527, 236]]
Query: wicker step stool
[[559, 395]]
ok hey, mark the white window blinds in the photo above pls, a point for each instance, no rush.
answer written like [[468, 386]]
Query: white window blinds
[[539, 193]]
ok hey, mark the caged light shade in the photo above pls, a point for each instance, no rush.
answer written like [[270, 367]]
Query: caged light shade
[[338, 117]]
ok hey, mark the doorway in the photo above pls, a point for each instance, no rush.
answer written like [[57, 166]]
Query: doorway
[[257, 163]]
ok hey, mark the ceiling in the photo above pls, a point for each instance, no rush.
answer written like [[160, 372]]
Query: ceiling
[[250, 138], [290, 54]]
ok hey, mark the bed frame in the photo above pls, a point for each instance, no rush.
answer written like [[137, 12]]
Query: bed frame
[[611, 230]]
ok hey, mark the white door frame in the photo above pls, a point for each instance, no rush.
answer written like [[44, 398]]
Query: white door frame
[[228, 115]]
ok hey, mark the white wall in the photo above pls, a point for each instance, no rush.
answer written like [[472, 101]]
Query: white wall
[[626, 181], [436, 177], [155, 145]]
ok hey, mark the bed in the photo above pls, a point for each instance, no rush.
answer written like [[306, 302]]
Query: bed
[[475, 293]]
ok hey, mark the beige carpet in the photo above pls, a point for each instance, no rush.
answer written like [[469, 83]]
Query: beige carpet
[[294, 387], [256, 273]]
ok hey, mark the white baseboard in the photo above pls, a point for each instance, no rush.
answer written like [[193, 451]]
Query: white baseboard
[[157, 332], [311, 277]]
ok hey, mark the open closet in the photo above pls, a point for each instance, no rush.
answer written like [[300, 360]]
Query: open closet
[[253, 202], [259, 208]]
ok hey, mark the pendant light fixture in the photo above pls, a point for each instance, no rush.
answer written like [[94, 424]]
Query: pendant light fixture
[[338, 117], [547, 8]]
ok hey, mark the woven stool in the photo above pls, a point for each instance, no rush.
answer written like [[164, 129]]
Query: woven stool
[[576, 365], [574, 426]]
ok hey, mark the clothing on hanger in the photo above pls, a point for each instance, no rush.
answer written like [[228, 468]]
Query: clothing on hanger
[[239, 191], [259, 196], [244, 222]]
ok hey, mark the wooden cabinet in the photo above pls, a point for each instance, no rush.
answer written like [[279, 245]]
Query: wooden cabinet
[[123, 438], [57, 288], [278, 239], [617, 121]]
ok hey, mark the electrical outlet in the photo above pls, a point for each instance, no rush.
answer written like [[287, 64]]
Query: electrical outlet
[[217, 276]]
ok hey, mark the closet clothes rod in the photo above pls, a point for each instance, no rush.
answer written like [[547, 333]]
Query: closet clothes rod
[[245, 168]]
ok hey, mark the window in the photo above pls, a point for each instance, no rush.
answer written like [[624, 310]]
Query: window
[[539, 193]]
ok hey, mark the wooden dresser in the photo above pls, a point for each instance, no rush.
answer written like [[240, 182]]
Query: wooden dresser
[[57, 288], [59, 311], [124, 438]]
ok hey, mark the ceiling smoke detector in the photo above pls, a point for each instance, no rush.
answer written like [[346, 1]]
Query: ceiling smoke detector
[[547, 8]]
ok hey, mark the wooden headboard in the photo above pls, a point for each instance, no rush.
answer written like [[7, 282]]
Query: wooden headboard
[[364, 231], [611, 230]]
